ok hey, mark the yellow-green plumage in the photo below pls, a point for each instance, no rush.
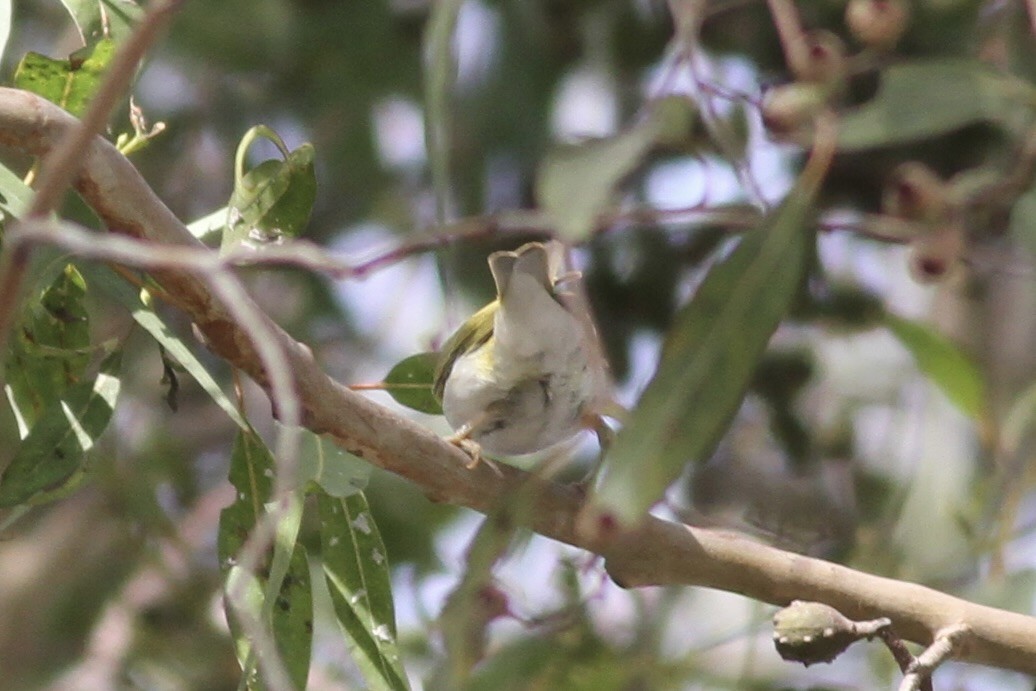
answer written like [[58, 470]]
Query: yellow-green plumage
[[474, 332], [515, 378]]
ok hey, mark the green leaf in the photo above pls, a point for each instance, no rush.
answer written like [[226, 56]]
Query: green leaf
[[98, 19], [51, 458], [280, 595], [357, 573], [1022, 222], [410, 383], [51, 348], [575, 182], [711, 352], [130, 298], [926, 98], [69, 83], [334, 470], [210, 226], [15, 195], [953, 372], [273, 200]]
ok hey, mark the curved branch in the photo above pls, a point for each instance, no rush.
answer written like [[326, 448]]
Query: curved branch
[[658, 552]]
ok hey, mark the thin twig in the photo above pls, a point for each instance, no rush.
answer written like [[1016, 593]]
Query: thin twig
[[919, 676], [789, 29]]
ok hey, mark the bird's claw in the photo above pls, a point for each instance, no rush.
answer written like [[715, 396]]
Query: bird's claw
[[463, 441]]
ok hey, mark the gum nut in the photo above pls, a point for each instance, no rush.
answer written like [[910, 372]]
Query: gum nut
[[877, 24]]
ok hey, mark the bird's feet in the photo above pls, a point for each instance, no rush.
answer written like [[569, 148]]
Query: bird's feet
[[463, 441]]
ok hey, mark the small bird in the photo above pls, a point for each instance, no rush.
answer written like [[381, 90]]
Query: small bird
[[520, 374]]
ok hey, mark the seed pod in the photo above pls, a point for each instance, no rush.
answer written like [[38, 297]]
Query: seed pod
[[790, 109], [877, 24], [811, 632], [823, 61]]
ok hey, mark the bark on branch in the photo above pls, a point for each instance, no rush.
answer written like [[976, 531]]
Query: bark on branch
[[657, 553]]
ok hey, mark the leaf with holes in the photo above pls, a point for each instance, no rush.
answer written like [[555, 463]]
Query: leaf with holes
[[272, 201], [331, 468], [69, 83], [279, 595], [50, 461], [51, 348], [357, 574]]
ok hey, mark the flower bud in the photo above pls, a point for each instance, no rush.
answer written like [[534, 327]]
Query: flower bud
[[877, 24]]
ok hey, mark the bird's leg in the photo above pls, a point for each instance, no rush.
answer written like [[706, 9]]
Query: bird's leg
[[463, 441]]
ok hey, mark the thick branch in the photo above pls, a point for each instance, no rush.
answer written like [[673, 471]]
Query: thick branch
[[657, 553]]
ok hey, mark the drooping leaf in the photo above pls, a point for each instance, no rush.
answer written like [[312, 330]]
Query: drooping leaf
[[98, 19], [356, 569], [144, 314], [50, 460], [410, 383], [926, 98], [69, 83], [708, 360], [944, 363], [279, 595], [50, 349], [333, 469], [274, 200], [575, 182]]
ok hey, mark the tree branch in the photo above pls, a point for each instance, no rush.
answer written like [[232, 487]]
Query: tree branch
[[658, 552]]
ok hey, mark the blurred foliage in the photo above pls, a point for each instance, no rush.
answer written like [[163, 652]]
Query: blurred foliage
[[840, 439]]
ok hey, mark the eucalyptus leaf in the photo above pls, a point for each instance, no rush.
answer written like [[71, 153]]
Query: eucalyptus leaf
[[130, 298], [945, 364], [330, 467], [50, 350], [97, 19], [410, 383], [15, 195], [210, 226], [272, 201], [356, 569], [575, 182], [69, 83], [50, 461], [710, 354], [926, 98], [280, 595]]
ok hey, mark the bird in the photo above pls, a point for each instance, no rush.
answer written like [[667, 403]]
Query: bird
[[522, 373]]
